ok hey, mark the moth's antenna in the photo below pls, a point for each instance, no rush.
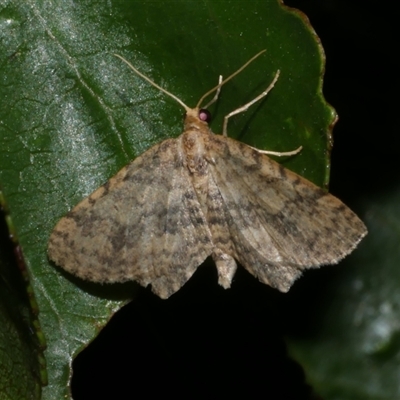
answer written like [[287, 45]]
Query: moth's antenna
[[215, 98], [228, 78], [153, 83]]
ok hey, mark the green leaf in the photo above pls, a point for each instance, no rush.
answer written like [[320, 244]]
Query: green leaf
[[72, 115], [21, 359]]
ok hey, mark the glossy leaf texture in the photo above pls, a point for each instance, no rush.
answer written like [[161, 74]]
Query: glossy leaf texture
[[72, 115]]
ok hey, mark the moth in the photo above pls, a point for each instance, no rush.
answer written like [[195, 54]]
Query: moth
[[202, 195]]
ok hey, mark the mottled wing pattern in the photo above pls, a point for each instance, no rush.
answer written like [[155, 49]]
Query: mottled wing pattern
[[145, 224], [274, 222]]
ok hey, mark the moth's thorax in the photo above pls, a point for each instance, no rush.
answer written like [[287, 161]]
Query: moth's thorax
[[195, 140]]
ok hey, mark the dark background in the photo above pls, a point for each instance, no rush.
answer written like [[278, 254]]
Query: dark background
[[207, 342]]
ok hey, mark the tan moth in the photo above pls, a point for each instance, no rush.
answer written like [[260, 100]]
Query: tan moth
[[203, 195]]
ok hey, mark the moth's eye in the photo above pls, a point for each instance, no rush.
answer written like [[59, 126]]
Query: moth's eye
[[204, 115]]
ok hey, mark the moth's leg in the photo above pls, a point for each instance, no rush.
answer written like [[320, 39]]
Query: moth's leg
[[279, 153], [226, 266], [249, 104], [215, 98]]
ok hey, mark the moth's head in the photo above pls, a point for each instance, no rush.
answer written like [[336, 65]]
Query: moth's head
[[196, 118]]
